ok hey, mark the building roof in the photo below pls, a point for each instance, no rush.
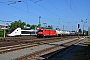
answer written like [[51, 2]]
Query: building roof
[[4, 25]]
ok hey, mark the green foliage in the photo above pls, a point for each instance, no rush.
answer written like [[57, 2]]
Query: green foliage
[[58, 29], [1, 33], [80, 31], [8, 29], [17, 24], [88, 31], [33, 26], [28, 25], [39, 25], [50, 27]]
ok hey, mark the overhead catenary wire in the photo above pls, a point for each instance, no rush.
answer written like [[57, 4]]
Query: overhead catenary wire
[[71, 8], [52, 4], [27, 11], [19, 17], [12, 14], [37, 15], [18, 9], [56, 11], [22, 10], [88, 15], [45, 8], [76, 10], [60, 18], [37, 1]]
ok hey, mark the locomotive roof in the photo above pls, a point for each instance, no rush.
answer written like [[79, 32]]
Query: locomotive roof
[[46, 28]]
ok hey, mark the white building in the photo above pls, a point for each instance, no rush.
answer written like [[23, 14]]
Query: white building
[[4, 26]]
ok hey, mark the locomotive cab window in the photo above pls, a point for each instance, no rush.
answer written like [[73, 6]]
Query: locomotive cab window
[[40, 31], [11, 30]]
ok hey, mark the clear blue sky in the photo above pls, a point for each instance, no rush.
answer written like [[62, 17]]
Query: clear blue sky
[[67, 13]]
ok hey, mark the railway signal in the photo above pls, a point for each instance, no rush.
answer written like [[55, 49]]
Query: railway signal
[[78, 25]]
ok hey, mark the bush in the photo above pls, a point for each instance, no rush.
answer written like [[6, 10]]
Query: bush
[[1, 33]]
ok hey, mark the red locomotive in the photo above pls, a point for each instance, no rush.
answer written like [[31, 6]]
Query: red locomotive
[[43, 32]]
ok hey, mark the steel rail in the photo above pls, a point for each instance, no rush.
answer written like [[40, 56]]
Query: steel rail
[[63, 50], [44, 50], [23, 46]]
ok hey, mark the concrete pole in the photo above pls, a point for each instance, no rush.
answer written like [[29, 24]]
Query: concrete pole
[[4, 33], [63, 27], [39, 20]]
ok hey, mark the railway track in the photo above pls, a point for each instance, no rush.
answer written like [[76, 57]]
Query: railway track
[[65, 46], [17, 41], [26, 40], [32, 43], [16, 38], [62, 52]]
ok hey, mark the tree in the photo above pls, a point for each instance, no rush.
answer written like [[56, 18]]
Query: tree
[[28, 25], [33, 26], [39, 25], [58, 28], [1, 33], [80, 31], [17, 24], [50, 27]]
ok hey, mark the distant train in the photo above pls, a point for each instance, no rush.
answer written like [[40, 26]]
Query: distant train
[[43, 32], [19, 31]]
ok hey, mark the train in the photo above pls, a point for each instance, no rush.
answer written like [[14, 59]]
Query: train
[[41, 32], [20, 32]]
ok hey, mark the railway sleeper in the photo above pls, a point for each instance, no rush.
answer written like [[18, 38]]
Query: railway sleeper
[[60, 51], [40, 52]]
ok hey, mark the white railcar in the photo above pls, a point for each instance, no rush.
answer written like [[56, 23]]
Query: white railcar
[[60, 33], [19, 31]]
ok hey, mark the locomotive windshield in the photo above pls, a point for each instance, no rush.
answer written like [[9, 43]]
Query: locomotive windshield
[[11, 30], [40, 31]]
